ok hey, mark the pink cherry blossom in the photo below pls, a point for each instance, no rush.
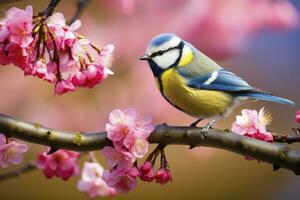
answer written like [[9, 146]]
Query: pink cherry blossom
[[147, 171], [121, 123], [94, 74], [245, 123], [129, 130], [124, 123], [120, 158], [144, 126], [62, 163], [250, 121], [298, 116], [65, 35], [68, 66], [11, 152], [19, 24], [63, 86], [53, 51], [92, 183], [122, 179], [18, 55], [253, 124], [163, 176], [83, 68], [79, 48], [138, 147], [4, 33], [43, 69]]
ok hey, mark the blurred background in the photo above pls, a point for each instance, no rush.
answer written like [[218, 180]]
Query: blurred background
[[256, 39]]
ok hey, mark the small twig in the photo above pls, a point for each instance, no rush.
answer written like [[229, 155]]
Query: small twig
[[286, 138], [81, 5], [22, 170]]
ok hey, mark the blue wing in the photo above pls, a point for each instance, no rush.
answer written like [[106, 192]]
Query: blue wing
[[226, 81], [220, 80]]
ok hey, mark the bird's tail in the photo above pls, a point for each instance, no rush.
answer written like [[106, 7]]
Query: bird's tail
[[268, 97]]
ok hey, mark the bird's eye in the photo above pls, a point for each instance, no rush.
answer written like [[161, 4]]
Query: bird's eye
[[160, 53]]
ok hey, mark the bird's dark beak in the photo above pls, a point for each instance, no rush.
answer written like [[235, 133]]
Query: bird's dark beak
[[145, 57]]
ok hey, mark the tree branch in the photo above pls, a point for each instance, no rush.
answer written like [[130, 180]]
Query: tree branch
[[22, 170], [81, 5], [50, 8], [279, 155]]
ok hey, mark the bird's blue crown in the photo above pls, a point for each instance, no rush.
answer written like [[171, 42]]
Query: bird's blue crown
[[161, 39]]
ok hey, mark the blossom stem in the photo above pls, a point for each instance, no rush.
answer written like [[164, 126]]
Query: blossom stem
[[24, 169], [153, 155], [55, 54], [274, 153], [163, 159]]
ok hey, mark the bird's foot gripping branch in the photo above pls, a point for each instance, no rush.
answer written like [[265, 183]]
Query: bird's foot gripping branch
[[127, 139]]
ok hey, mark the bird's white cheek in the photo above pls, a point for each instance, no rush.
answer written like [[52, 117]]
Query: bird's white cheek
[[167, 59]]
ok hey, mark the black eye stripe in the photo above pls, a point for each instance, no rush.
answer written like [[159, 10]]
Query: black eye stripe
[[159, 53]]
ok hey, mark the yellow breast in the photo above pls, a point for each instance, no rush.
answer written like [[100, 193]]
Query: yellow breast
[[195, 102]]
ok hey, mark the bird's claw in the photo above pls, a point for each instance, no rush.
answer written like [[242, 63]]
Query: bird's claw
[[204, 130]]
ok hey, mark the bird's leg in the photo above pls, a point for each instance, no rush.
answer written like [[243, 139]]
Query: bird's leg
[[209, 125], [194, 124]]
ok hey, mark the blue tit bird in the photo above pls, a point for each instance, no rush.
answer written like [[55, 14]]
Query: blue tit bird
[[194, 83]]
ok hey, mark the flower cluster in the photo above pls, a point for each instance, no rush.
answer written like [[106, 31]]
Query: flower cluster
[[253, 124], [129, 133], [11, 152], [48, 48], [61, 163]]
